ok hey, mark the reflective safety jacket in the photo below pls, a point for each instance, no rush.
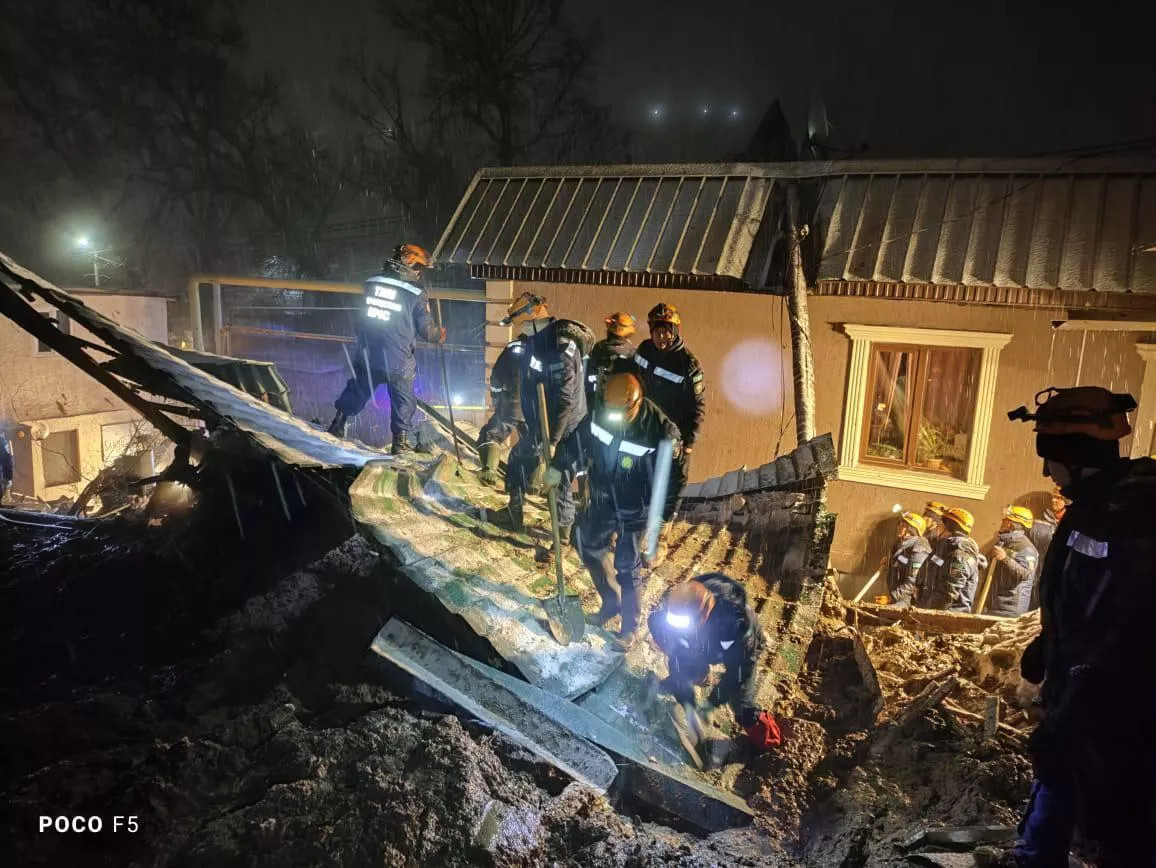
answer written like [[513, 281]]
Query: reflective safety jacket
[[395, 316], [506, 381], [622, 463], [730, 635], [1097, 593], [907, 558], [951, 583], [553, 358], [673, 380], [607, 357], [1013, 577]]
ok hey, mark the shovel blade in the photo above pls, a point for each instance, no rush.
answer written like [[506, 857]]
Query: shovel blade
[[565, 618]]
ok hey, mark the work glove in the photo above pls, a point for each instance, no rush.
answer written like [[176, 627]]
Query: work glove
[[552, 477]]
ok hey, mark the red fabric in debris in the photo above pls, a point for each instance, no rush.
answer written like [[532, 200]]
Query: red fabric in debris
[[764, 732]]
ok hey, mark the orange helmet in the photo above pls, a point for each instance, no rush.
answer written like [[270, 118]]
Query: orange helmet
[[408, 260], [1089, 410], [525, 307], [960, 518], [689, 605], [621, 398], [620, 324], [664, 313]]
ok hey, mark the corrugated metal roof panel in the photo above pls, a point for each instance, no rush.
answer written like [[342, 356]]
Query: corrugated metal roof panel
[[692, 220], [1041, 223]]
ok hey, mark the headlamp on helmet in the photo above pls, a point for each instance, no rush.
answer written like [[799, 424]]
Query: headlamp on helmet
[[523, 308]]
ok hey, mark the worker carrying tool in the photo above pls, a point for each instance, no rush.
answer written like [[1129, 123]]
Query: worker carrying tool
[[618, 443], [1093, 750], [908, 554], [395, 316], [704, 622], [956, 560], [613, 353], [1015, 560], [507, 418], [552, 356]]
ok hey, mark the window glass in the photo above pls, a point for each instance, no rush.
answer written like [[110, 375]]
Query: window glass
[[61, 451], [888, 408]]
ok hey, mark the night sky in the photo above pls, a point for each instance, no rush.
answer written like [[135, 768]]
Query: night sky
[[909, 79]]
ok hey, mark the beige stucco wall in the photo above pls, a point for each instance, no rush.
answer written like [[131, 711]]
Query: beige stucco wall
[[49, 392], [742, 342], [1037, 356]]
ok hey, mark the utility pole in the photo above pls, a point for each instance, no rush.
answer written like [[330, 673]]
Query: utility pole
[[802, 358]]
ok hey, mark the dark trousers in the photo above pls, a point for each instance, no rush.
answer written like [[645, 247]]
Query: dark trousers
[[523, 461], [501, 425], [402, 403], [594, 538], [1045, 833]]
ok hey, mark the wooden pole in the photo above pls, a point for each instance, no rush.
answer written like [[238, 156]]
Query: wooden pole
[[802, 357]]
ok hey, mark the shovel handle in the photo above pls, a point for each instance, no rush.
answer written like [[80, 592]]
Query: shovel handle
[[867, 587], [982, 598], [551, 494]]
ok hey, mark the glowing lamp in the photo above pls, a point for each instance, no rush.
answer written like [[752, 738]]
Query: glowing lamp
[[677, 620]]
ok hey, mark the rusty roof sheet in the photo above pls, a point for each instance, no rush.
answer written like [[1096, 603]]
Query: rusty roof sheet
[[690, 220], [1044, 223]]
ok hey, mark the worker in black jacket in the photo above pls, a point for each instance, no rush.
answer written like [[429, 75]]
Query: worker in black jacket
[[506, 397], [672, 376], [615, 352], [1093, 750], [907, 558], [619, 445], [552, 357], [704, 622], [1042, 531], [1015, 565], [954, 582], [395, 315]]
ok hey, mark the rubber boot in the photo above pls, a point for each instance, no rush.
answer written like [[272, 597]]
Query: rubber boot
[[490, 454], [400, 445], [339, 427]]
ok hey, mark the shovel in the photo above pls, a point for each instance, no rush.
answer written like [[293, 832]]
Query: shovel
[[563, 613], [977, 609]]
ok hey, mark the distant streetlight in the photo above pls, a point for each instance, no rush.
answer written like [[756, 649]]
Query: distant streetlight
[[706, 110], [84, 243], [735, 114], [656, 113]]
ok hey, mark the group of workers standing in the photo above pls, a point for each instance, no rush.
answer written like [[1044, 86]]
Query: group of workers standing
[[935, 563]]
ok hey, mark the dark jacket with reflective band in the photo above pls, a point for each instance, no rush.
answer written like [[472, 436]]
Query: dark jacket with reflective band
[[622, 463], [1013, 577], [730, 635], [954, 575], [552, 358], [608, 356], [674, 381], [1097, 595], [506, 381], [395, 316], [1041, 534], [907, 559]]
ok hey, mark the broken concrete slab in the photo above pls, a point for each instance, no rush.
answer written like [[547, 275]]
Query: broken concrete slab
[[470, 689]]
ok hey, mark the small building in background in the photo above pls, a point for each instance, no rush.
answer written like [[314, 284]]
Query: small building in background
[[64, 427], [942, 293]]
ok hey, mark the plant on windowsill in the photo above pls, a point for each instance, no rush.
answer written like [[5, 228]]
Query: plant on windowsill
[[936, 448]]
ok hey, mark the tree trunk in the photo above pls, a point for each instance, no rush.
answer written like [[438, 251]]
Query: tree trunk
[[802, 360]]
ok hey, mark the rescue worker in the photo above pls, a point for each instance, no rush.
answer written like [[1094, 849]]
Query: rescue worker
[[704, 622], [935, 565], [7, 468], [618, 445], [395, 316], [1041, 533], [1016, 560], [505, 392], [609, 355], [953, 584], [907, 557], [1093, 752], [552, 356]]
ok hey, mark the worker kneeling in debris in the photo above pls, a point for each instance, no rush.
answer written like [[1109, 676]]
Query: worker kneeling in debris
[[956, 561], [396, 314], [704, 622], [907, 557], [619, 444], [1093, 751], [1015, 559]]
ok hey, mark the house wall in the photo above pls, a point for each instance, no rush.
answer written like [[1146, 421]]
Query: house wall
[[741, 340], [1037, 356], [49, 393]]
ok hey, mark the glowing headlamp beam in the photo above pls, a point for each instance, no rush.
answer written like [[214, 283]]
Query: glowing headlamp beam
[[677, 620]]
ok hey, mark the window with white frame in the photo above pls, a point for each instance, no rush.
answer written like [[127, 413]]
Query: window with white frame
[[919, 408]]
